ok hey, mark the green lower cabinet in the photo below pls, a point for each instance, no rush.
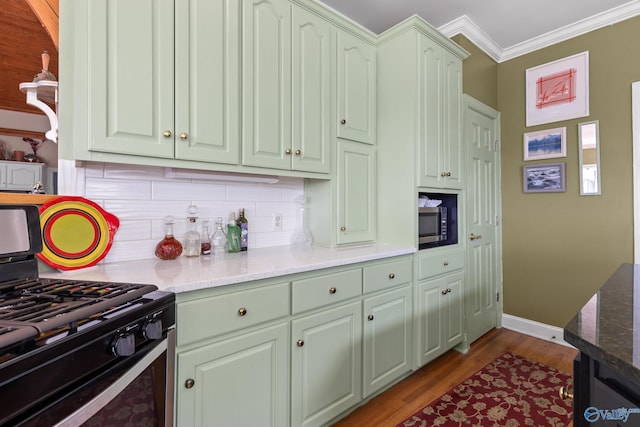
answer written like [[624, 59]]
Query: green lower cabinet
[[387, 338], [439, 316], [240, 381], [325, 364]]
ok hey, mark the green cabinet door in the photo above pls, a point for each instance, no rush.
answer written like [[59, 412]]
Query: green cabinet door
[[355, 192], [240, 381], [266, 81], [387, 338], [356, 89], [441, 116], [312, 50], [207, 80], [440, 315], [325, 364], [129, 79]]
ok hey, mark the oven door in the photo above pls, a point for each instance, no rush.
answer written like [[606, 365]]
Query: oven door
[[137, 391]]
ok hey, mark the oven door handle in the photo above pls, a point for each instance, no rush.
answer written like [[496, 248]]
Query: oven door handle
[[101, 400]]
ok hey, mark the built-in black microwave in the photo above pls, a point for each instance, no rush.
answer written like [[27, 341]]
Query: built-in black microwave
[[432, 224], [438, 226]]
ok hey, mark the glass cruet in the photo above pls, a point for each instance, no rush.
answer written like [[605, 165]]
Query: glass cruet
[[169, 247], [219, 239], [192, 245]]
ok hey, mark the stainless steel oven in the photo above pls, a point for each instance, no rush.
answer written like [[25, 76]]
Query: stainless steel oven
[[79, 353]]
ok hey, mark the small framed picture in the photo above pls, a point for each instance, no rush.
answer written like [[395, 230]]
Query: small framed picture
[[547, 178], [545, 144]]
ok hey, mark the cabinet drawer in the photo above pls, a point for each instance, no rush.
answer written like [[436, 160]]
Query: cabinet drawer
[[220, 314], [389, 274], [433, 265], [326, 289]]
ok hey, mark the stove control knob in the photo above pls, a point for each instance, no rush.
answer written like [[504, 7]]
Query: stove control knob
[[124, 345], [152, 330]]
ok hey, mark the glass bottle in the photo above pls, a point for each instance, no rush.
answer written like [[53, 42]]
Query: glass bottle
[[233, 235], [219, 239], [301, 238], [205, 239], [192, 236], [169, 247], [243, 223]]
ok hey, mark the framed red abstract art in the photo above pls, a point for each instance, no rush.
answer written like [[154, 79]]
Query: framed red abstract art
[[558, 90]]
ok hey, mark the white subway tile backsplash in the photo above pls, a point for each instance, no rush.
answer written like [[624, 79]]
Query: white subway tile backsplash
[[141, 196], [99, 188], [187, 190]]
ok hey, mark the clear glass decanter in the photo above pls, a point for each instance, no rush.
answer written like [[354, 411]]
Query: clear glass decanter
[[192, 236], [219, 239]]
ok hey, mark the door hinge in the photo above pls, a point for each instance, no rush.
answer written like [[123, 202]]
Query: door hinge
[[496, 145], [497, 296]]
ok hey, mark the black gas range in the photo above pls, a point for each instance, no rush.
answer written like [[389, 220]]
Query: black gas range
[[77, 352]]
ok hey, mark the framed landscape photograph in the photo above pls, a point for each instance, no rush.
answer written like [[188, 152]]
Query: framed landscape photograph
[[547, 178], [545, 144], [558, 90]]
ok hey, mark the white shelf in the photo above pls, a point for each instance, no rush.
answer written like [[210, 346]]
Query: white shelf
[[40, 94]]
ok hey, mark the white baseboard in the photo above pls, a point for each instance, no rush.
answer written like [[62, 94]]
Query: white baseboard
[[535, 329]]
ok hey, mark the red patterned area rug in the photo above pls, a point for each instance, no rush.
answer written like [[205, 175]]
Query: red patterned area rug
[[511, 391]]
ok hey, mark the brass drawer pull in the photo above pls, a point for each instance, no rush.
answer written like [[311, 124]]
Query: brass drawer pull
[[370, 317], [332, 290], [343, 229], [242, 311], [343, 122], [287, 151], [446, 263], [300, 343], [392, 276], [184, 136], [298, 152], [189, 383], [167, 133]]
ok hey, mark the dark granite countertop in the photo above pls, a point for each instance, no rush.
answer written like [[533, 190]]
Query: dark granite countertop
[[607, 328]]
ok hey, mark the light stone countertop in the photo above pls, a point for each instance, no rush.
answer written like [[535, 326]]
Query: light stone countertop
[[190, 274]]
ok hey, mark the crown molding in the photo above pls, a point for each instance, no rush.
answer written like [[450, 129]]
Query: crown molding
[[465, 26]]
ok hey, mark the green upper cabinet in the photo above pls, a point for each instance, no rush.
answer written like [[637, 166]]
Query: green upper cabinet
[[356, 192], [266, 75], [286, 79], [129, 77], [356, 89], [441, 116], [162, 79], [207, 113]]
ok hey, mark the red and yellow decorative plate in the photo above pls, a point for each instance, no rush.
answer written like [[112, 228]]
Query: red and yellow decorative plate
[[76, 232]]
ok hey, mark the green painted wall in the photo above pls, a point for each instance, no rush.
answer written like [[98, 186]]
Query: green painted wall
[[558, 248], [480, 73]]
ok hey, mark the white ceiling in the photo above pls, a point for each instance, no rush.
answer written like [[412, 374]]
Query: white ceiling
[[502, 28]]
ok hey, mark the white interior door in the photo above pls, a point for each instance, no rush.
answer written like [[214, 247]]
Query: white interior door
[[483, 257]]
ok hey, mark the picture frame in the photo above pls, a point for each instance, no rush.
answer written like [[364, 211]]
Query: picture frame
[[558, 90], [544, 178], [545, 144]]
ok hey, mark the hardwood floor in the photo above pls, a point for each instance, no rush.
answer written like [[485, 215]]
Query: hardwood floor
[[433, 380]]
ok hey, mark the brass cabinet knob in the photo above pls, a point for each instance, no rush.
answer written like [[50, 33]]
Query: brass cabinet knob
[[242, 311], [448, 173], [298, 152], [300, 343], [564, 393], [189, 383], [167, 133], [370, 317], [443, 174], [448, 290], [332, 290], [343, 229], [446, 263], [392, 276], [444, 292], [343, 122], [288, 151], [184, 136]]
